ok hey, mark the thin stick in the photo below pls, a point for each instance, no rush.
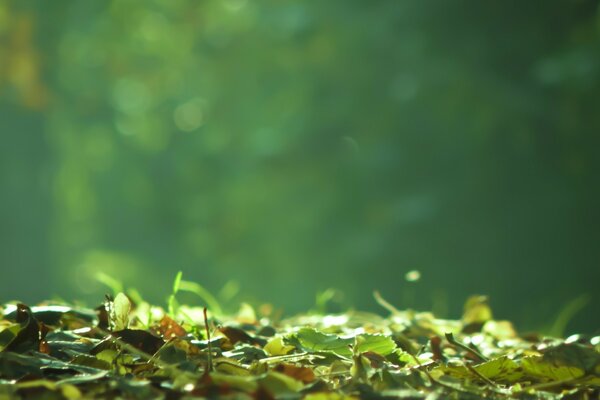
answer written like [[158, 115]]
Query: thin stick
[[432, 380], [299, 357], [546, 385], [481, 376], [450, 338], [338, 373], [210, 361]]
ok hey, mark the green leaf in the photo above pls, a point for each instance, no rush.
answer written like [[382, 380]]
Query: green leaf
[[243, 383], [500, 370], [8, 334], [177, 282], [115, 285], [537, 367], [276, 347], [121, 310], [380, 344], [476, 310], [311, 340], [68, 391], [280, 384], [211, 302], [573, 355], [172, 302]]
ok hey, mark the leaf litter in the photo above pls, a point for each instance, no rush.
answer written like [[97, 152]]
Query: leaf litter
[[138, 351]]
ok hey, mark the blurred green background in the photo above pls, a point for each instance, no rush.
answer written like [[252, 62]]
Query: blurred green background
[[288, 147]]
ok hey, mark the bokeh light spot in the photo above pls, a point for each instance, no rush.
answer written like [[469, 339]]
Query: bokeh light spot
[[412, 276], [189, 116], [131, 96]]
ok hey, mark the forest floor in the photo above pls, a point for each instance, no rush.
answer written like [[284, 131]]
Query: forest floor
[[133, 350]]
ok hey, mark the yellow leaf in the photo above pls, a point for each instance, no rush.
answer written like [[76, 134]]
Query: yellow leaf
[[121, 307], [276, 347]]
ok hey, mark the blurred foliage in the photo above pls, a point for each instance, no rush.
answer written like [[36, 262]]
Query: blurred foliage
[[288, 147]]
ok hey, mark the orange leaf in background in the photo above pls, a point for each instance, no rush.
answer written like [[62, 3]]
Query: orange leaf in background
[[21, 65], [169, 329]]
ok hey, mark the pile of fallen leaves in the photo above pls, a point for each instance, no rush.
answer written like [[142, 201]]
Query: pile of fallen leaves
[[138, 351]]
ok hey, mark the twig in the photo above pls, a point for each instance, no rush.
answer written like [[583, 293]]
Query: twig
[[422, 365], [481, 376], [290, 357], [338, 373], [546, 385], [210, 361], [432, 380], [477, 354]]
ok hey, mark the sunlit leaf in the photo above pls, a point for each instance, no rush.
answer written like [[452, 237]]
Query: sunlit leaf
[[121, 310], [168, 328], [380, 344], [67, 390], [476, 310], [277, 347], [547, 371], [345, 356], [280, 384], [314, 341]]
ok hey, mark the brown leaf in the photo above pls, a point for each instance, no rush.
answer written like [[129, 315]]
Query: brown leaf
[[29, 333], [435, 342], [44, 347], [236, 335], [169, 329], [303, 374], [140, 339], [103, 318]]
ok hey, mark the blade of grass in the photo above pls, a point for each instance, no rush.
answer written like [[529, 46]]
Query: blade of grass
[[112, 283], [198, 290], [172, 302], [567, 313]]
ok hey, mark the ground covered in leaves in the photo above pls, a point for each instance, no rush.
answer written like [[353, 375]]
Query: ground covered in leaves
[[138, 351]]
